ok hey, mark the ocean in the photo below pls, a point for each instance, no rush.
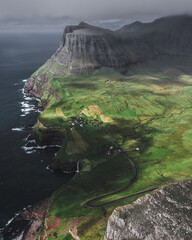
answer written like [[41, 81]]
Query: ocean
[[24, 176]]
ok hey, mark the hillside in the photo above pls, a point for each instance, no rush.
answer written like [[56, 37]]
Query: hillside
[[120, 107]]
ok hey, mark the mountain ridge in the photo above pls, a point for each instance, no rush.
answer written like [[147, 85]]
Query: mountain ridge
[[85, 47]]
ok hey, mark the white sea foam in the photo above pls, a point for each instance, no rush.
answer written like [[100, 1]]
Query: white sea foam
[[30, 152], [26, 139], [29, 98], [20, 237], [48, 168], [25, 80], [33, 148], [26, 108], [31, 141], [9, 221], [25, 104], [18, 129], [39, 147]]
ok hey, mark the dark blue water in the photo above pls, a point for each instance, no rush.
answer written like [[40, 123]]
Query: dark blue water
[[24, 178]]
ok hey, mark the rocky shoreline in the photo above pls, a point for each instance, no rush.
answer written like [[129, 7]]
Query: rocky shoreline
[[27, 224]]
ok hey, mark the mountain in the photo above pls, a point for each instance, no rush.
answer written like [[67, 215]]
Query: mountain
[[89, 47], [177, 25], [168, 35]]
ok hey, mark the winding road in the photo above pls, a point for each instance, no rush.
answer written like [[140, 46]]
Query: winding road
[[90, 203]]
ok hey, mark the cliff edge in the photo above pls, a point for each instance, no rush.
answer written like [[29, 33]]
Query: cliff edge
[[166, 214]]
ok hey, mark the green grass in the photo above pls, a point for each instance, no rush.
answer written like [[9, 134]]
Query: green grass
[[152, 114]]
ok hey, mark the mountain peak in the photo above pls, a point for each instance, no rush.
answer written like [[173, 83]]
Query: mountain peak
[[84, 25]]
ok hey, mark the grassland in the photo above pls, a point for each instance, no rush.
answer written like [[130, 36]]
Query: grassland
[[148, 112]]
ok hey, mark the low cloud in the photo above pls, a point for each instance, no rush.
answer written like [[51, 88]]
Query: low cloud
[[104, 12]]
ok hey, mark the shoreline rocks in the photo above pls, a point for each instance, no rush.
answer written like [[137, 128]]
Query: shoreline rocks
[[27, 224]]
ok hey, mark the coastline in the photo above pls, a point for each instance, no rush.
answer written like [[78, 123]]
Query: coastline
[[27, 222]]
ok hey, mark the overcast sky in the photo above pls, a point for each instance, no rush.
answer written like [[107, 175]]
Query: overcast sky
[[55, 14]]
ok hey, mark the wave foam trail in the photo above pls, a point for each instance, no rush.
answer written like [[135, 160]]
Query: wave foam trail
[[18, 129], [20, 237], [39, 147]]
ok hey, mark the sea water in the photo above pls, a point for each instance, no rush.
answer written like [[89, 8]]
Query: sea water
[[24, 176]]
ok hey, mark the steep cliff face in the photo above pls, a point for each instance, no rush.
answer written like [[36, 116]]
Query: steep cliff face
[[166, 214], [88, 47]]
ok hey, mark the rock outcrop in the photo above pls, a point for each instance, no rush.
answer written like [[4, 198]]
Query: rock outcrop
[[165, 214]]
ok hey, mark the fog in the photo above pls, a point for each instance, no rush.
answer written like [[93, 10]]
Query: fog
[[55, 14]]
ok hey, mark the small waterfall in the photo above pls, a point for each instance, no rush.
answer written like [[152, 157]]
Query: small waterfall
[[77, 171]]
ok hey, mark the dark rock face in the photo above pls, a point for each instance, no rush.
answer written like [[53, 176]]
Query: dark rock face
[[87, 47], [35, 88], [165, 214]]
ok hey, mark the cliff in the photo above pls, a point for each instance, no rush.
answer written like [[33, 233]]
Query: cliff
[[166, 214], [86, 47]]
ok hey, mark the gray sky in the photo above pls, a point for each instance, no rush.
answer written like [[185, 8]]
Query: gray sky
[[55, 14]]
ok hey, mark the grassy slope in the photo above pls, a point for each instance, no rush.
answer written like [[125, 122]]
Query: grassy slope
[[150, 110]]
